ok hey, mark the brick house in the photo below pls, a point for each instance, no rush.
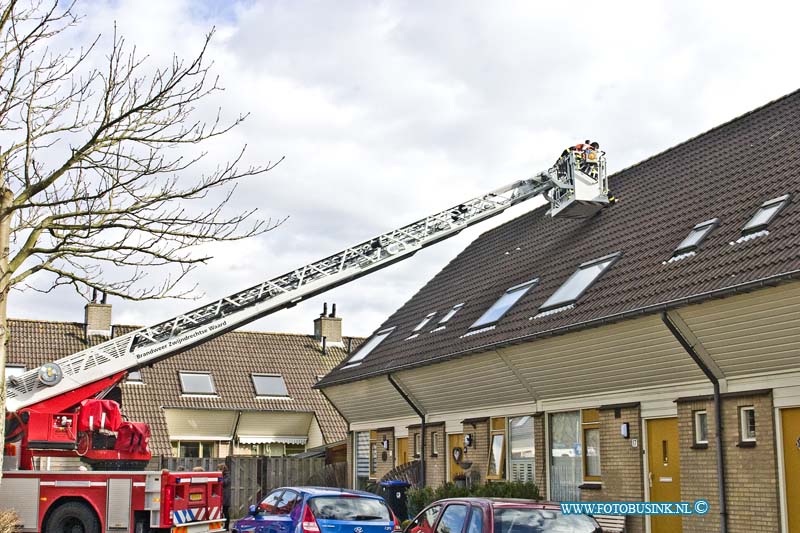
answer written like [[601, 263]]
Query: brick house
[[243, 393], [592, 356]]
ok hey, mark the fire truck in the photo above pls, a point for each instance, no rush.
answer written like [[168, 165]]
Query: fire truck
[[61, 410]]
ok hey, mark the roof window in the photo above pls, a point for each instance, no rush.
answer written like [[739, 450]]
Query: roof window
[[425, 321], [765, 214], [451, 313], [134, 376], [269, 385], [579, 282], [692, 241], [367, 347], [197, 383], [503, 304]]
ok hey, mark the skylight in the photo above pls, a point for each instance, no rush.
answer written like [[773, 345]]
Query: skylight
[[695, 237], [134, 376], [765, 214], [367, 347], [503, 304], [269, 385], [579, 282], [197, 383], [451, 313], [425, 321]]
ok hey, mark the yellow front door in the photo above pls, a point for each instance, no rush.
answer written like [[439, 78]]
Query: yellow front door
[[665, 471], [790, 427], [402, 451], [454, 441]]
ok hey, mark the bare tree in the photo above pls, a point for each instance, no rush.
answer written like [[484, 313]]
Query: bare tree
[[95, 190]]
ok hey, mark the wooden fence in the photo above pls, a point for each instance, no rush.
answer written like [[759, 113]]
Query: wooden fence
[[253, 477]]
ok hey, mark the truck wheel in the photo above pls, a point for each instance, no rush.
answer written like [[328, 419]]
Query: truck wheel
[[72, 517]]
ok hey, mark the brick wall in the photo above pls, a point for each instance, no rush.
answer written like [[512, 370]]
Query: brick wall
[[435, 465], [621, 465], [751, 477], [478, 453], [386, 458], [540, 447], [350, 458]]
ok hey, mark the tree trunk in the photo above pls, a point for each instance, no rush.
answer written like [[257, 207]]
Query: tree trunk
[[6, 197]]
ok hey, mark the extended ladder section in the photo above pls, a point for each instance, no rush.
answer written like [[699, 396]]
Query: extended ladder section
[[148, 345]]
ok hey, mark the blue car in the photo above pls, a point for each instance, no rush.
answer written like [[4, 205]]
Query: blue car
[[318, 510]]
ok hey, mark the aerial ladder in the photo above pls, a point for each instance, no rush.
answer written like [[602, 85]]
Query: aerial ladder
[[44, 405]]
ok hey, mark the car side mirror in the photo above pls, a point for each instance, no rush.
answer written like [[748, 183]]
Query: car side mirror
[[253, 510]]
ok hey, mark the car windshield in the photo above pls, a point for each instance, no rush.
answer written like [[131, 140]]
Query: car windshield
[[540, 521], [349, 508]]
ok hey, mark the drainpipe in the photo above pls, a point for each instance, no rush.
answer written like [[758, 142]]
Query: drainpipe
[[421, 415], [723, 507]]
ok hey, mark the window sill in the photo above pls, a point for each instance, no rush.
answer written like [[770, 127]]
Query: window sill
[[591, 485], [699, 446], [746, 444], [434, 455]]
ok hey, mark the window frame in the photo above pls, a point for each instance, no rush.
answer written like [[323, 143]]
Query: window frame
[[451, 313], [417, 444], [254, 375], [510, 454], [552, 303], [424, 322], [592, 424], [368, 347], [781, 201], [197, 373], [696, 427], [744, 425], [707, 227], [434, 444], [498, 426], [521, 288]]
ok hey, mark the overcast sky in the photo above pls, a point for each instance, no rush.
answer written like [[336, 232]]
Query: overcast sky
[[388, 111]]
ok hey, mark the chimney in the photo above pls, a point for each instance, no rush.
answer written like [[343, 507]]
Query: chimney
[[97, 317], [328, 327]]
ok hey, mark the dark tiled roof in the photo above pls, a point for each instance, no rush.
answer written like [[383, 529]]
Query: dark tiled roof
[[725, 173], [231, 358]]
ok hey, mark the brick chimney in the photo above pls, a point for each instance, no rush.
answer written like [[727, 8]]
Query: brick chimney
[[97, 317], [328, 326]]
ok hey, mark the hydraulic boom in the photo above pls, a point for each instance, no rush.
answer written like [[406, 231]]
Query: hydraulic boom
[[150, 344]]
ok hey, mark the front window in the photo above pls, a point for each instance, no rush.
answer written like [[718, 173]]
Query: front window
[[700, 427], [591, 444], [747, 423], [362, 458], [497, 449], [522, 450], [195, 449]]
